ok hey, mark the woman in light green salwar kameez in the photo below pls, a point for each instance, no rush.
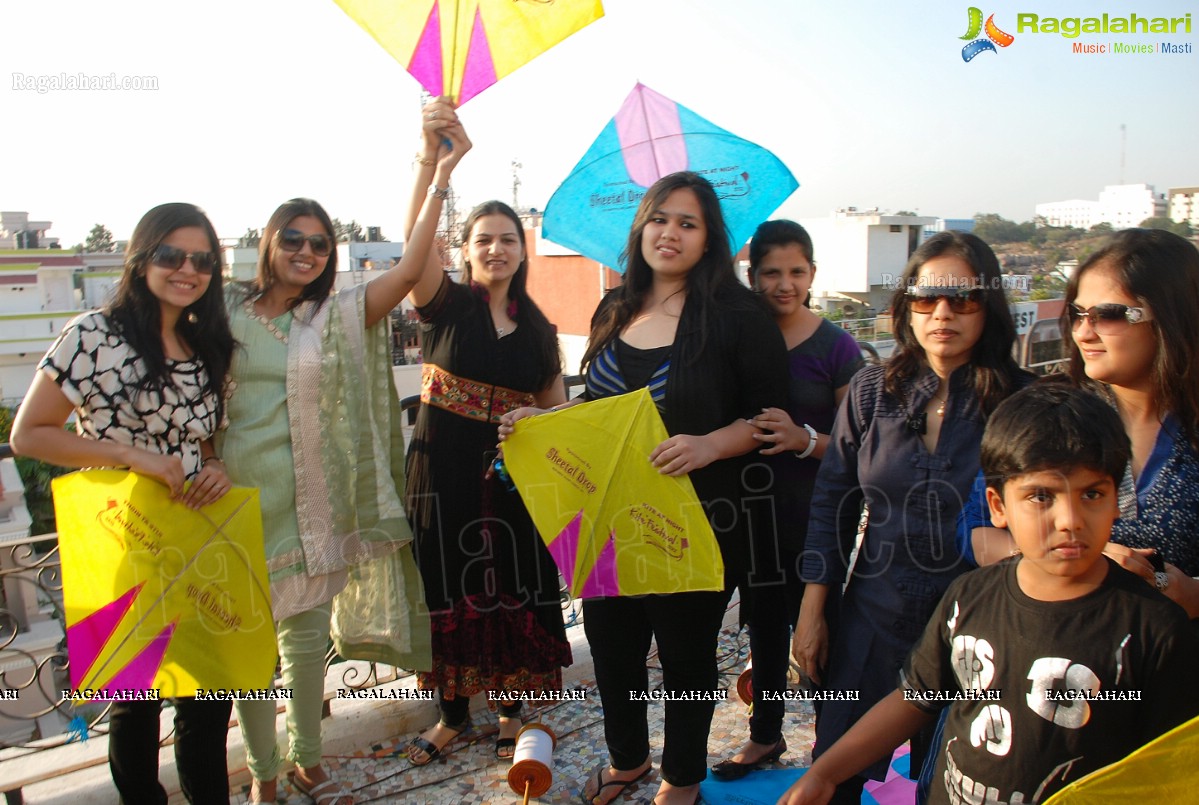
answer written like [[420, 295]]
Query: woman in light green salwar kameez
[[313, 423]]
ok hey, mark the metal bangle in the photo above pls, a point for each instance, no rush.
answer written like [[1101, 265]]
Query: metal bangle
[[439, 192]]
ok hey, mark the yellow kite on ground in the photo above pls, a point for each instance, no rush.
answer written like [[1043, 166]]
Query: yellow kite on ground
[[462, 47], [1163, 769], [613, 523], [160, 596]]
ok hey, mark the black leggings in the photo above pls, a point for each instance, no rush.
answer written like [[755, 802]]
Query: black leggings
[[686, 626], [769, 610], [200, 732]]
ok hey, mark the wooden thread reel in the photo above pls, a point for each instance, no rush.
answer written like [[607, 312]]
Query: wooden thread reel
[[532, 771], [745, 683], [796, 680]]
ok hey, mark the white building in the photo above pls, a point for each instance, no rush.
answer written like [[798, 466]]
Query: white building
[[40, 291], [1126, 205], [862, 253], [1078, 213], [1121, 206], [18, 232], [1184, 205]]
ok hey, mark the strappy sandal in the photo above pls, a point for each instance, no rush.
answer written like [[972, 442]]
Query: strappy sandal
[[433, 751], [252, 800], [324, 793]]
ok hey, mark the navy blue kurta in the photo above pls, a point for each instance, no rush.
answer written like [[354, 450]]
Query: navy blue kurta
[[909, 554]]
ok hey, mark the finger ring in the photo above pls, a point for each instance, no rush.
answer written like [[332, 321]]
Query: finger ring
[[431, 116]]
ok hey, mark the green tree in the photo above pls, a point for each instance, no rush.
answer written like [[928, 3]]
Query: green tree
[[995, 229], [1180, 228], [1101, 228], [351, 232], [36, 477], [99, 240]]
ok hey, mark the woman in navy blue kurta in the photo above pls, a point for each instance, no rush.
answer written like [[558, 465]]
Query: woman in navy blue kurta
[[906, 445]]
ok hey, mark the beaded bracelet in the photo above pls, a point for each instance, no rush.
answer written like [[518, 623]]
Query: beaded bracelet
[[424, 160]]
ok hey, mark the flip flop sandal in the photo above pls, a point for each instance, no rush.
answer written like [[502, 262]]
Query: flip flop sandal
[[508, 744], [622, 786]]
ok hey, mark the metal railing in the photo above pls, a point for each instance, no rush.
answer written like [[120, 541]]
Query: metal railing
[[33, 647]]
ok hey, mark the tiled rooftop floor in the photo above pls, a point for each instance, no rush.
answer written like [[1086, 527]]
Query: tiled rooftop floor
[[471, 774]]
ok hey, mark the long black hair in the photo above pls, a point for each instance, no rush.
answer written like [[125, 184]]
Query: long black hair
[[319, 289], [1162, 270], [527, 314], [203, 325], [995, 370], [713, 275]]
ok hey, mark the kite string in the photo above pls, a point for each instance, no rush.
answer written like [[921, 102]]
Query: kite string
[[218, 531]]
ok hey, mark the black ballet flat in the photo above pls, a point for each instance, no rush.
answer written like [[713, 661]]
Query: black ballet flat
[[729, 770]]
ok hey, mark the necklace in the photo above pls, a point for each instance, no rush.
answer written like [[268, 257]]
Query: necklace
[[264, 321], [942, 403], [499, 332]]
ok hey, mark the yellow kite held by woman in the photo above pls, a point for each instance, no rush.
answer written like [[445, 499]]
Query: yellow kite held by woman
[[160, 596], [612, 522]]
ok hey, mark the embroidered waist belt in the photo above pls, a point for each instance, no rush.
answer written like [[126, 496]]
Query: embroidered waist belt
[[469, 398]]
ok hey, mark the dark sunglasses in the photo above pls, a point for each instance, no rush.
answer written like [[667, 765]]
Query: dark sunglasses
[[292, 240], [961, 300], [1108, 318], [173, 258]]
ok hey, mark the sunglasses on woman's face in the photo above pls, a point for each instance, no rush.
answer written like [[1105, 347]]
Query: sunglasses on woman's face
[[1108, 318], [174, 258], [292, 240], [960, 300]]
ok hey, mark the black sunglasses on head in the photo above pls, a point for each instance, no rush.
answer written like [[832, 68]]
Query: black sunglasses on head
[[961, 300], [292, 240], [174, 258]]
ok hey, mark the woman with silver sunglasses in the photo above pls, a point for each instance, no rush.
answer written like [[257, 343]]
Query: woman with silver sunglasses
[[1131, 312]]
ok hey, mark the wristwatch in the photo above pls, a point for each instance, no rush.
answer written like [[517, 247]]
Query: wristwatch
[[1160, 578]]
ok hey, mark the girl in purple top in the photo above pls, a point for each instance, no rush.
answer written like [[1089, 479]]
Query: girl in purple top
[[821, 358]]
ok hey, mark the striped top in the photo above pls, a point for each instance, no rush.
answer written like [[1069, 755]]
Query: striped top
[[620, 368]]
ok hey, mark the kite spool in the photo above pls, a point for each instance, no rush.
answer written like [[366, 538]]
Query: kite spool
[[532, 771], [745, 683]]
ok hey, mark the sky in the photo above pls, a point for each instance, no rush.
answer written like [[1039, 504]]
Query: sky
[[869, 104]]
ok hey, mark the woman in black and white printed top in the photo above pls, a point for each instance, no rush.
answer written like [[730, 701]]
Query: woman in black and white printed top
[[146, 378]]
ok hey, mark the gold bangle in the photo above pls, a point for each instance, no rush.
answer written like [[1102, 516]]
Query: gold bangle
[[210, 458], [424, 160]]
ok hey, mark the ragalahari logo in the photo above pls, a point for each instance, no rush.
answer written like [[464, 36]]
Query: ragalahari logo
[[993, 37]]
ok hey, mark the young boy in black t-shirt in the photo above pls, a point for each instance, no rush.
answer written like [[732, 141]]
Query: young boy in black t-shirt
[[1055, 662]]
